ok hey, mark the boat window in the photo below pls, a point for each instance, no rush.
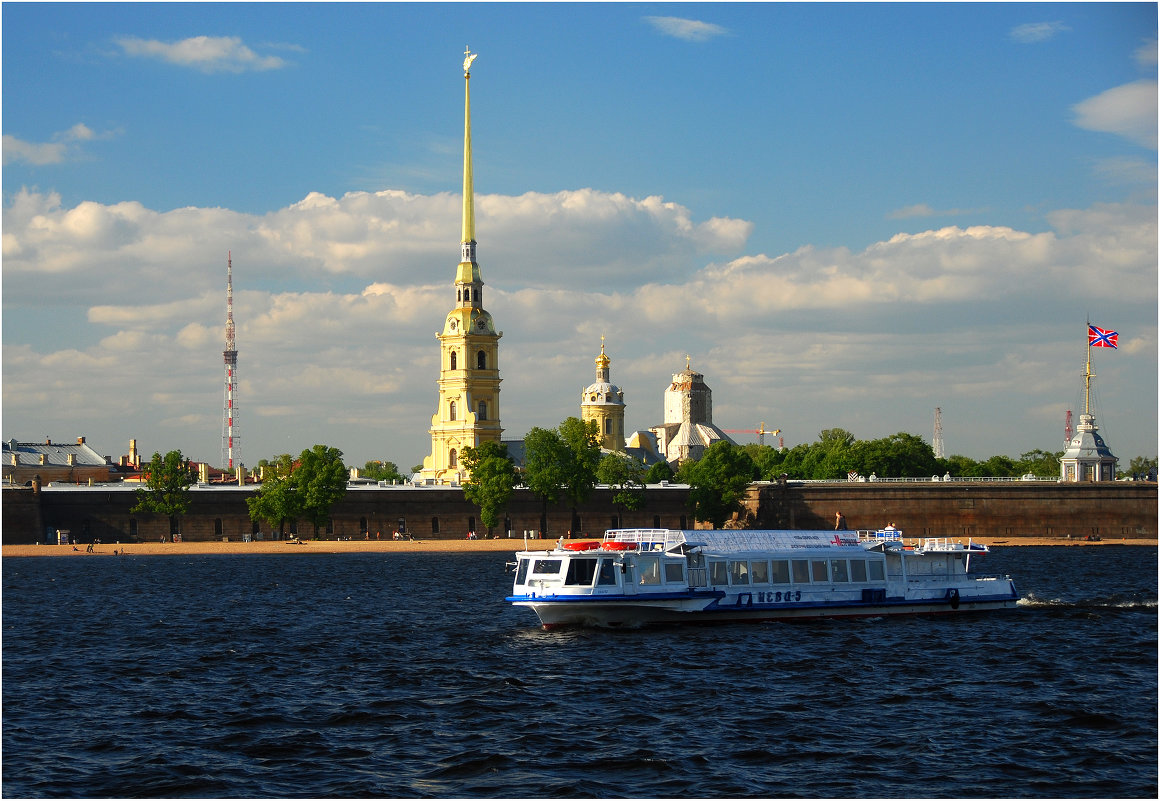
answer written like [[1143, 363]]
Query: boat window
[[718, 572], [759, 572], [780, 574], [838, 571], [819, 570], [674, 573], [649, 569], [801, 571], [739, 572], [546, 567], [607, 575], [580, 572], [877, 570], [857, 570], [522, 572]]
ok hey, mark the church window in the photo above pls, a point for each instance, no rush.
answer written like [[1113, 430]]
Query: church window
[[453, 358], [467, 293], [483, 410], [607, 425], [458, 295], [481, 360], [451, 410], [452, 458]]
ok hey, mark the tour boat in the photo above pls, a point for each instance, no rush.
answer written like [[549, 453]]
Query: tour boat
[[636, 577]]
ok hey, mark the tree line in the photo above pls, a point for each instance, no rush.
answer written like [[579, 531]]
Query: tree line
[[565, 464]]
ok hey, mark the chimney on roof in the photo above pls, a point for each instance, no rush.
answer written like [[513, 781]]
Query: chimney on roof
[[47, 441], [44, 458], [80, 440], [133, 459], [72, 459]]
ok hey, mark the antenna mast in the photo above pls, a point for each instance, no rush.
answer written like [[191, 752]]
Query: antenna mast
[[938, 438], [230, 437]]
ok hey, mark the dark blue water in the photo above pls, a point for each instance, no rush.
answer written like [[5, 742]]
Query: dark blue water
[[406, 675]]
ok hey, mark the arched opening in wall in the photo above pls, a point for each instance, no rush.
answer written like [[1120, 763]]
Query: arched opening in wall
[[330, 527], [255, 527], [576, 527], [452, 458], [451, 411], [453, 359], [684, 523], [362, 526], [482, 410], [656, 521], [217, 527], [615, 522], [481, 360], [172, 526], [471, 525], [458, 295], [133, 528], [607, 425], [467, 294], [434, 525], [507, 525]]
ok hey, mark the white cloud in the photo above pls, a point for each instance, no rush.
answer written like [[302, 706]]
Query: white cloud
[[205, 53], [1037, 31], [337, 301], [690, 30], [62, 147], [1129, 111]]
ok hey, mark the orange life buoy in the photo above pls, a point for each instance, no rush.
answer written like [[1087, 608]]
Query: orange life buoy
[[586, 545], [619, 546]]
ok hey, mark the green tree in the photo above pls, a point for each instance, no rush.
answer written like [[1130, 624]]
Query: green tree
[[544, 468], [1039, 463], [320, 480], [382, 471], [307, 488], [625, 475], [581, 440], [491, 482], [718, 482], [1140, 468], [660, 471], [899, 455], [167, 482]]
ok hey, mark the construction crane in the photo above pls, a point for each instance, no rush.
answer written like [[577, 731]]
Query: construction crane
[[760, 431]]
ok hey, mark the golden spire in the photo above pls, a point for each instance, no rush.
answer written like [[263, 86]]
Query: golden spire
[[468, 193]]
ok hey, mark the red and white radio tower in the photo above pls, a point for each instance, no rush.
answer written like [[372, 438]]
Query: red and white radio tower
[[1067, 429], [230, 438]]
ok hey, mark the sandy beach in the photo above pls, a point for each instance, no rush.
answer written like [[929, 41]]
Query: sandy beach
[[409, 546]]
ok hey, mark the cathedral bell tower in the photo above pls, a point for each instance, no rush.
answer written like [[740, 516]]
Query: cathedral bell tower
[[468, 413]]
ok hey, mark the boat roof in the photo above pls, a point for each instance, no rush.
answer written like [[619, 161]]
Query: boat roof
[[728, 541]]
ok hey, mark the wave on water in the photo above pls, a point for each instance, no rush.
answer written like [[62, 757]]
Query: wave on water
[[1117, 602]]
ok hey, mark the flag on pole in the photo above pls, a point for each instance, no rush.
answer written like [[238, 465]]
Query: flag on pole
[[1099, 338]]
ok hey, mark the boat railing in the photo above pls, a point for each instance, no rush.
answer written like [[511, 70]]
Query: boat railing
[[881, 535], [646, 539]]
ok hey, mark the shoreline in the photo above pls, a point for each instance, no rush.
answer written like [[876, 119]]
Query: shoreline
[[267, 547]]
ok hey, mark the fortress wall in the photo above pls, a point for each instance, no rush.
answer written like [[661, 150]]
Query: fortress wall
[[998, 509], [103, 513], [1008, 509]]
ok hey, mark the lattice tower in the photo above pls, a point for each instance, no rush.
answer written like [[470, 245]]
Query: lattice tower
[[230, 438], [1067, 429], [938, 437]]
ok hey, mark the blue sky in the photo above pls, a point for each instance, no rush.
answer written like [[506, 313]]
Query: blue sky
[[846, 215]]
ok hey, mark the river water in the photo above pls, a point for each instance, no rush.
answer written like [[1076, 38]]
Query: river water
[[406, 675]]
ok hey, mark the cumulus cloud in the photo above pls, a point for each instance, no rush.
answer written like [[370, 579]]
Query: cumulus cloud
[[1129, 111], [1030, 32], [205, 53], [337, 302], [62, 147], [690, 30]]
